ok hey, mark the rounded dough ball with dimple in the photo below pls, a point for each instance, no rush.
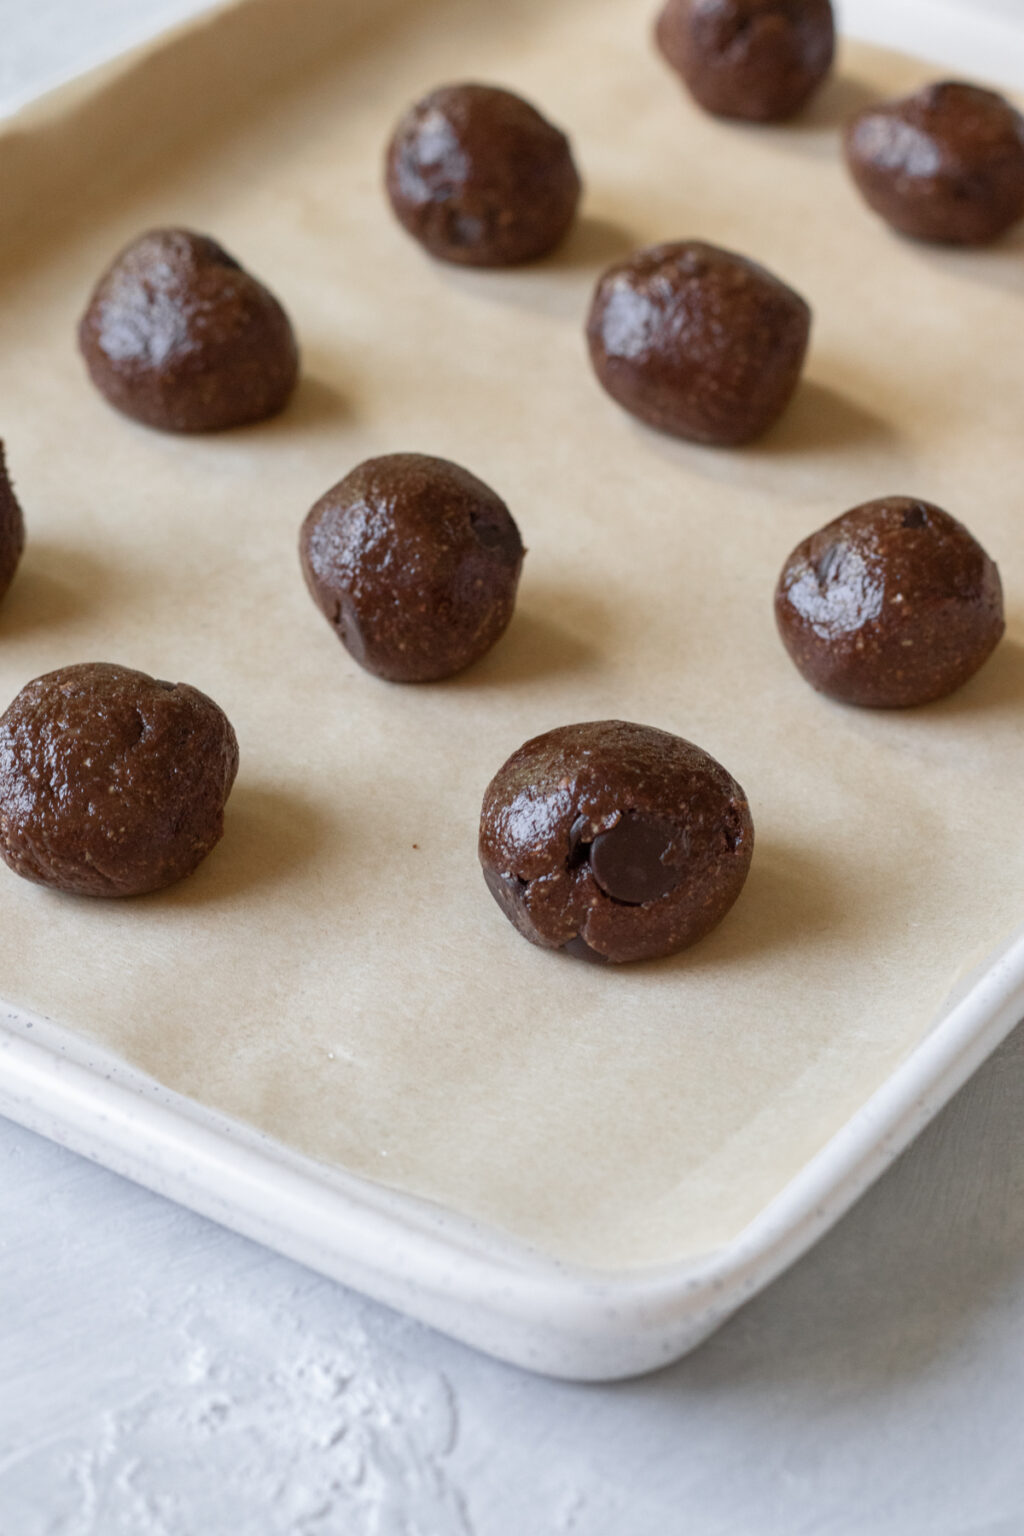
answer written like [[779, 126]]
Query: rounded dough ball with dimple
[[759, 60], [893, 604], [415, 563], [112, 783], [179, 336], [614, 841], [698, 341], [12, 527], [946, 164], [480, 178]]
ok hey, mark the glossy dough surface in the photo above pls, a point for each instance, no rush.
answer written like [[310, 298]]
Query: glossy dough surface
[[614, 841], [893, 604], [12, 527], [698, 341], [179, 336], [755, 59], [112, 783], [479, 177], [415, 563], [946, 164]]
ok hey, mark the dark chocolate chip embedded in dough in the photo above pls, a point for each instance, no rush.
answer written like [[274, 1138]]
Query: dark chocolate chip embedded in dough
[[945, 165], [580, 838], [495, 530], [629, 861], [507, 892], [579, 949], [480, 178], [179, 336]]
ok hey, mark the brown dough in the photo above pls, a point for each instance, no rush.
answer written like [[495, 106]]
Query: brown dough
[[698, 341], [890, 605], [415, 563], [755, 59], [12, 527], [178, 336], [111, 783], [614, 841], [479, 177], [946, 164]]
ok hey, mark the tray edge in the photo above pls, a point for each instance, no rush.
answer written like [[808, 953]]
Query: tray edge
[[460, 1276]]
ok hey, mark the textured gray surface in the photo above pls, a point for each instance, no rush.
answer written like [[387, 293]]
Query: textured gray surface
[[161, 1377]]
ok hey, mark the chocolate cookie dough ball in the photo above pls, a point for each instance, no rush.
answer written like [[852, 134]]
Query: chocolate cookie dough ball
[[614, 841], [698, 341], [111, 782], [893, 604], [415, 563], [477, 176], [945, 165], [754, 59], [12, 527], [178, 336]]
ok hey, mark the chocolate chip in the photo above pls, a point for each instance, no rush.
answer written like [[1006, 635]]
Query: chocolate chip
[[499, 534], [581, 950], [579, 842], [629, 861], [508, 891]]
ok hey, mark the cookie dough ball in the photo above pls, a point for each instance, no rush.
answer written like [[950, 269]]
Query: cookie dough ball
[[112, 783], [414, 562], [12, 527], [698, 342], [946, 164], [478, 177], [893, 604], [179, 337], [614, 841], [754, 59]]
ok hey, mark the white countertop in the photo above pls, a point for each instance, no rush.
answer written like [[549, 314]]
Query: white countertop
[[162, 1377]]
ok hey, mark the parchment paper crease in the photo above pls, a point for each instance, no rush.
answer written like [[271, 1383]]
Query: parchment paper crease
[[336, 973]]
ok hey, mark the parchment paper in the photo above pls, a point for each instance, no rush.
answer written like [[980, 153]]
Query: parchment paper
[[336, 972]]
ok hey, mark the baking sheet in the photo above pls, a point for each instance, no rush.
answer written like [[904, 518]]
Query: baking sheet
[[336, 974]]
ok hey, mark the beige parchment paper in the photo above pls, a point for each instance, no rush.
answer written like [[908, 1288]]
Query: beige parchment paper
[[336, 973]]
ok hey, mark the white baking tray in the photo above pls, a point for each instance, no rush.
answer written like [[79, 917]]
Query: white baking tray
[[459, 1275], [452, 1273]]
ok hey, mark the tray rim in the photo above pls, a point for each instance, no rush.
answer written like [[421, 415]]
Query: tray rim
[[454, 1273]]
